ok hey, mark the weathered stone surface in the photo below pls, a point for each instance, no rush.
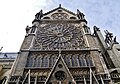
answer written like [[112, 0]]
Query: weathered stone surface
[[59, 48], [20, 64]]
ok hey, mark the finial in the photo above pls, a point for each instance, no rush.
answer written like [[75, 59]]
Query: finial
[[115, 39], [41, 11], [59, 5], [78, 11]]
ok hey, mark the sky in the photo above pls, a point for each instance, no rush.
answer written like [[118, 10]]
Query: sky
[[15, 15]]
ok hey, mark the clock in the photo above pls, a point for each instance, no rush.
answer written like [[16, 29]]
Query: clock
[[60, 75], [59, 36]]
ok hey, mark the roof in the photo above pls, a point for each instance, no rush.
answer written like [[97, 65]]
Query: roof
[[6, 55], [64, 67], [59, 8]]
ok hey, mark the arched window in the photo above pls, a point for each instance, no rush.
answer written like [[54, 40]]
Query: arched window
[[42, 65], [45, 61], [89, 61], [82, 61], [35, 61], [72, 17], [74, 60], [39, 61], [68, 61], [46, 18], [52, 61], [30, 61], [59, 10]]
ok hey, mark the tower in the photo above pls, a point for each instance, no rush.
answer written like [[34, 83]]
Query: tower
[[60, 49]]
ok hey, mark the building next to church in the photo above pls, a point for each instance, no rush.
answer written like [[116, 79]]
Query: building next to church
[[6, 62], [59, 48]]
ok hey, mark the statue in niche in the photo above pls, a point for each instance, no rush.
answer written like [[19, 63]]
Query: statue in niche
[[80, 15], [39, 15]]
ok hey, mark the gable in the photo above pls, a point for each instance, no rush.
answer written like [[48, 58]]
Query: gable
[[59, 13], [60, 73]]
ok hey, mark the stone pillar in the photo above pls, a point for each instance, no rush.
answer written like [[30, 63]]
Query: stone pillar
[[100, 38], [20, 64], [115, 49], [29, 39], [21, 60]]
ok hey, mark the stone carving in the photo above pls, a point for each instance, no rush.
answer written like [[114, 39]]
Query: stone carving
[[59, 36], [60, 16], [86, 29], [109, 37], [30, 29], [48, 59], [27, 29], [60, 75], [80, 15], [39, 15], [96, 28], [33, 28]]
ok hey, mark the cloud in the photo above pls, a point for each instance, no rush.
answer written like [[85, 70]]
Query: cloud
[[16, 14]]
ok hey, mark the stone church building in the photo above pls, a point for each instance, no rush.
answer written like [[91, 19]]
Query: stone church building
[[59, 48]]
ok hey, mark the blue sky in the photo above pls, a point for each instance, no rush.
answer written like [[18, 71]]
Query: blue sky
[[15, 15]]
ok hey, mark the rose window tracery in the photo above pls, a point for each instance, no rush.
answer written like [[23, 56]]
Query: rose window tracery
[[59, 36]]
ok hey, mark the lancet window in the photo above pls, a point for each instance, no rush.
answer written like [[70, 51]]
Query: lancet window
[[45, 61], [71, 60], [39, 61], [78, 60]]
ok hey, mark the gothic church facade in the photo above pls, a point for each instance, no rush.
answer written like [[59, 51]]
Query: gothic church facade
[[60, 49]]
